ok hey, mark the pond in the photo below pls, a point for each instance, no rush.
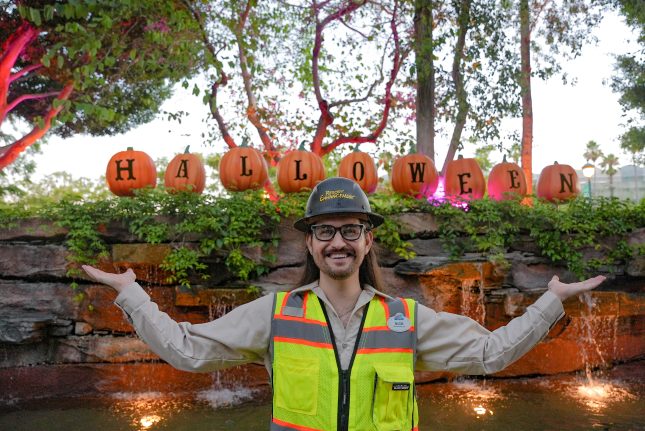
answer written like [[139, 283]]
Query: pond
[[612, 400]]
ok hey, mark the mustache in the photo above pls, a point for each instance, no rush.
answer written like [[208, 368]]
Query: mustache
[[347, 250]]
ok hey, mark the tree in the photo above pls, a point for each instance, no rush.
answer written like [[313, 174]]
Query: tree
[[609, 164], [424, 67], [593, 153], [526, 149], [94, 67], [633, 142], [630, 82], [482, 155], [550, 32]]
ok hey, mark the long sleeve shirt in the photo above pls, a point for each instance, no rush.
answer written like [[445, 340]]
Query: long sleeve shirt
[[445, 341]]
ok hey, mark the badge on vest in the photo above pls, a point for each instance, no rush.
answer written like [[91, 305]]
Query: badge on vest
[[400, 386], [398, 323]]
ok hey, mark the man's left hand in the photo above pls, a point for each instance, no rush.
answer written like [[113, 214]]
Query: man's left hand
[[564, 291]]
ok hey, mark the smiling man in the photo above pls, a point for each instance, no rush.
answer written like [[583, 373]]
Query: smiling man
[[340, 353]]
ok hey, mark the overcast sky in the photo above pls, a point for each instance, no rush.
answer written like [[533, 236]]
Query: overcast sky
[[565, 119]]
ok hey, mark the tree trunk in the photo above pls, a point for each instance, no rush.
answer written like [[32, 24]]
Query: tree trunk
[[527, 103], [425, 77], [458, 79]]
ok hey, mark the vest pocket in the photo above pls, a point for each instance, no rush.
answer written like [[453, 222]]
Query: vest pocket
[[393, 398], [296, 382]]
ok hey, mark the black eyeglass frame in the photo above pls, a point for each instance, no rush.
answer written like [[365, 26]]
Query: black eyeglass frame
[[364, 228]]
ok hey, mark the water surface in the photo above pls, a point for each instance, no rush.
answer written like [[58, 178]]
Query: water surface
[[613, 400]]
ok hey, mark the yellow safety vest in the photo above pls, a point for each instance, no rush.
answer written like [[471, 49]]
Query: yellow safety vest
[[310, 390]]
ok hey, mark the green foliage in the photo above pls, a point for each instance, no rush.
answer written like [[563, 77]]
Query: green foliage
[[123, 58], [562, 233], [231, 229]]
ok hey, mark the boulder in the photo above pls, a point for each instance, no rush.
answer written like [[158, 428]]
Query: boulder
[[44, 261], [90, 349]]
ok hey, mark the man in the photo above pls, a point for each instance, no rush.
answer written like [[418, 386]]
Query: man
[[340, 353]]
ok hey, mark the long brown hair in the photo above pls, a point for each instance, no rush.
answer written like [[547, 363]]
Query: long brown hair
[[368, 273]]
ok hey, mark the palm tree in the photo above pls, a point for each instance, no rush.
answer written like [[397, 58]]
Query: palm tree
[[593, 153], [608, 164]]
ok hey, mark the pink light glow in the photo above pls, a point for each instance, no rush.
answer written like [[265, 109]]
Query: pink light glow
[[439, 197]]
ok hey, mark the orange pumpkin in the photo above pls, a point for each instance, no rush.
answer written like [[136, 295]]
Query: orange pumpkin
[[506, 181], [414, 175], [558, 183], [464, 179], [129, 170], [360, 167], [243, 168], [300, 170], [185, 172]]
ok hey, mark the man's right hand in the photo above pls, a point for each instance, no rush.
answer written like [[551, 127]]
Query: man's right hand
[[117, 281]]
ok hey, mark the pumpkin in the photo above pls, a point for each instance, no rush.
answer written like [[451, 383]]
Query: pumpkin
[[414, 175], [558, 183], [185, 172], [129, 170], [464, 179], [243, 168], [360, 167], [506, 181], [300, 170]]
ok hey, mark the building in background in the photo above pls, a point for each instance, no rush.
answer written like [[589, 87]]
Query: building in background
[[628, 183]]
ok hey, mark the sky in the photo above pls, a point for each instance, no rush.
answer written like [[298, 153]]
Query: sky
[[565, 118]]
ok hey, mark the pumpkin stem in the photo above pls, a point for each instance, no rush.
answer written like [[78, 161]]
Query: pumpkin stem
[[245, 141], [130, 149], [504, 160], [459, 157], [302, 146], [186, 150], [356, 150]]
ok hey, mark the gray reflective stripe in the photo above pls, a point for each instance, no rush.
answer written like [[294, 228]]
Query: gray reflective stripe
[[295, 300], [386, 339], [396, 306], [414, 339], [292, 311], [275, 299], [300, 330]]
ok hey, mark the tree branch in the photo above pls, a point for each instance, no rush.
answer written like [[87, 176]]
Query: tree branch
[[387, 101], [222, 81], [24, 71], [325, 118], [24, 97], [12, 153], [252, 109], [11, 50], [369, 92], [458, 78]]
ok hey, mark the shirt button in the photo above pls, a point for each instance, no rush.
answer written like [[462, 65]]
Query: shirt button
[[344, 345]]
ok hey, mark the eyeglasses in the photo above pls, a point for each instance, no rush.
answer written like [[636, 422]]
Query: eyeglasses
[[326, 232]]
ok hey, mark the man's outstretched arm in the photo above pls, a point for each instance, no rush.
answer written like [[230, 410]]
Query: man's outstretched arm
[[457, 343], [238, 337]]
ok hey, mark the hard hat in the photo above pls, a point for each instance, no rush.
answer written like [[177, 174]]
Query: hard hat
[[337, 195]]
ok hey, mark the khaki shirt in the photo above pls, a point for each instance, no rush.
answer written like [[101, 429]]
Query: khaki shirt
[[445, 341]]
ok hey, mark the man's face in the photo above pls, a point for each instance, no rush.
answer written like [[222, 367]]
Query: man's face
[[339, 258]]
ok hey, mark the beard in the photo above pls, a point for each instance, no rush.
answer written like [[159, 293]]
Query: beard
[[334, 272]]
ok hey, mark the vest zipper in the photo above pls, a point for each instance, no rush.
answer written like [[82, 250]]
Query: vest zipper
[[343, 375]]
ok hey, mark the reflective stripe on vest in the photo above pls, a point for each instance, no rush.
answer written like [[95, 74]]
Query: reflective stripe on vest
[[308, 387]]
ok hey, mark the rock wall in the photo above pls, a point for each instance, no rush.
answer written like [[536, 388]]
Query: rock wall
[[55, 340]]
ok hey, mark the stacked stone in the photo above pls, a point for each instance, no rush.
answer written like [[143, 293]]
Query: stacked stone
[[46, 326]]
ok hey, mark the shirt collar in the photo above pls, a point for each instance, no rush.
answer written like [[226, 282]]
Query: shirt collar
[[371, 291]]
